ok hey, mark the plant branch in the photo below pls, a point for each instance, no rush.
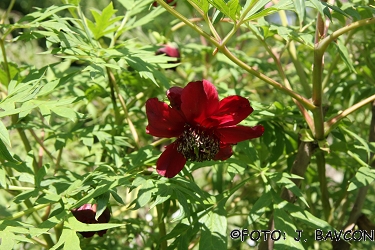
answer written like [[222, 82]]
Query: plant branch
[[321, 164], [283, 76], [161, 224], [40, 142], [305, 102], [194, 20], [187, 22], [6, 13], [113, 83], [333, 121], [323, 44], [317, 91]]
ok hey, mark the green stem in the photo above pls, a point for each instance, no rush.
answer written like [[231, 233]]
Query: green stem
[[323, 44], [161, 224], [187, 22], [283, 76], [293, 54], [305, 102], [299, 69], [117, 33], [321, 164], [40, 142], [26, 143], [212, 28], [113, 83], [26, 212], [317, 95], [6, 13], [18, 188], [329, 125]]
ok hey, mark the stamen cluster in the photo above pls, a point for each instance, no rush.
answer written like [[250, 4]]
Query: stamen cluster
[[196, 144]]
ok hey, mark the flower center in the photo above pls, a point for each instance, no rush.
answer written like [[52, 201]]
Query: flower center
[[196, 144]]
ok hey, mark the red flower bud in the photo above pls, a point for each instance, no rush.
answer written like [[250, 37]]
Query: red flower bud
[[171, 52], [86, 214]]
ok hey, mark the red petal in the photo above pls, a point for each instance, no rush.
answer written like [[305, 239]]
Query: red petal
[[236, 134], [170, 162], [224, 153], [163, 121], [174, 96], [169, 51], [232, 110], [199, 101]]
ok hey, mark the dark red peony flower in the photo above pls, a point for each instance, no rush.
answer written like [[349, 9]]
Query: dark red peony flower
[[86, 214], [155, 4], [171, 52], [205, 127]]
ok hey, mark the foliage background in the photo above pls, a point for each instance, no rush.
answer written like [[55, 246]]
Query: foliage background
[[74, 81]]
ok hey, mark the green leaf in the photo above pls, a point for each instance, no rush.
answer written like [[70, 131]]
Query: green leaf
[[49, 87], [40, 175], [144, 194], [3, 177], [4, 135], [254, 13], [164, 193], [102, 203], [335, 8], [4, 153], [319, 7], [63, 237], [202, 5], [7, 240], [184, 206], [65, 112], [260, 207], [300, 9], [135, 6], [103, 21], [38, 16], [214, 230], [364, 177], [147, 18], [78, 226], [73, 240], [231, 8], [284, 223], [116, 197], [357, 137], [284, 179], [344, 54], [256, 6]]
